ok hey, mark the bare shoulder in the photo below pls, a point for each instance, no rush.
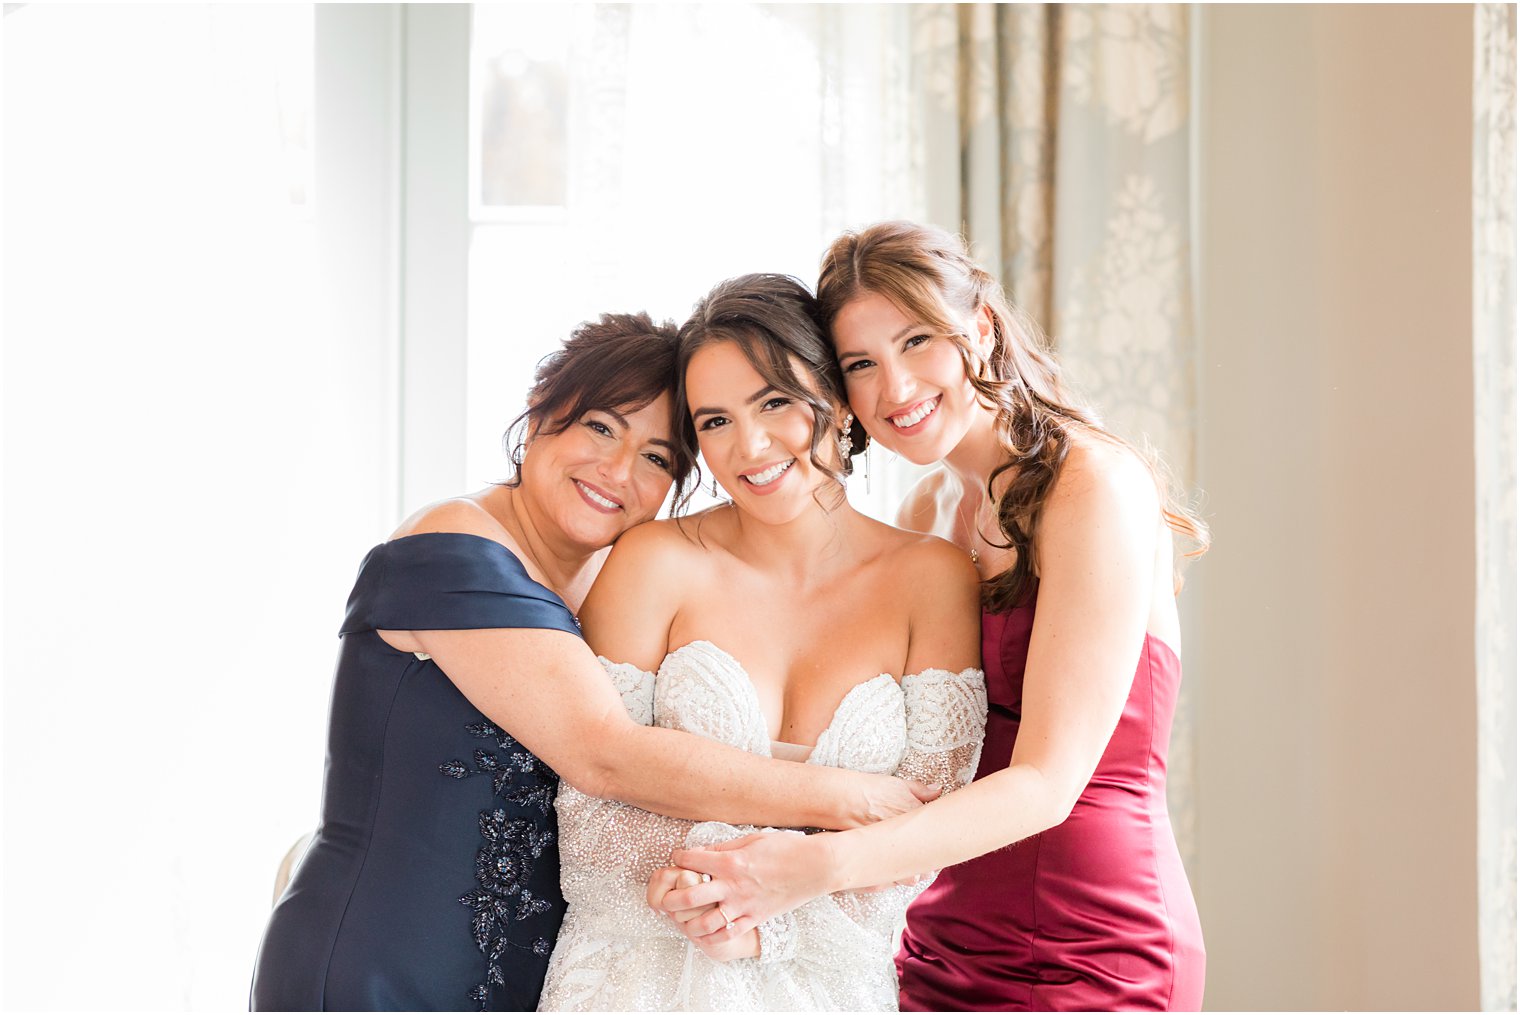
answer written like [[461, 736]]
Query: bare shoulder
[[657, 557], [934, 570], [656, 543], [1102, 478], [931, 557], [457, 514], [920, 509], [645, 582], [686, 538], [942, 593]]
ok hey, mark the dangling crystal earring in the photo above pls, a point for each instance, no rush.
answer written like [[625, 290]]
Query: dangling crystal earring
[[868, 465], [844, 441]]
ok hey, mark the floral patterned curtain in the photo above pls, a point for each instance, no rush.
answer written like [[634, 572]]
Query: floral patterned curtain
[[1494, 447], [1056, 139]]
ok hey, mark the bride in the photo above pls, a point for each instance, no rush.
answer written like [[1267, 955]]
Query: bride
[[783, 622]]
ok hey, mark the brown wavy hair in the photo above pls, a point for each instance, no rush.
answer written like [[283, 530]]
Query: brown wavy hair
[[772, 318], [929, 275]]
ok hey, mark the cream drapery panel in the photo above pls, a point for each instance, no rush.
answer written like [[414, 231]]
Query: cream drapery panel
[[1056, 139], [1494, 448]]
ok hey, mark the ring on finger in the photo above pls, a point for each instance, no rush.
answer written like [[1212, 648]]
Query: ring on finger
[[727, 923]]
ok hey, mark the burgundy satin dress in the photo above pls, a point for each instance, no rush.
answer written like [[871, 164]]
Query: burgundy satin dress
[[1094, 914]]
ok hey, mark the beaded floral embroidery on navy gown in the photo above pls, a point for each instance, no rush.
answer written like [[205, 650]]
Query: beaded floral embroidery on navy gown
[[433, 881]]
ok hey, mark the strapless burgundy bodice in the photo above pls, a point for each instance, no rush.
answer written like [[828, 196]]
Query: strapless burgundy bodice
[[1095, 913]]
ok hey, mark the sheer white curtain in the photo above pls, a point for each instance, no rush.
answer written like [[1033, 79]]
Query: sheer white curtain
[[700, 142], [1494, 449]]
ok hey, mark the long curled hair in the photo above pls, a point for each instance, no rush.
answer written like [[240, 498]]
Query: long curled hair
[[772, 318], [929, 275]]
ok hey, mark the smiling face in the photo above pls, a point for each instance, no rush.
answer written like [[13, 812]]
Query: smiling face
[[905, 379], [606, 472], [757, 441]]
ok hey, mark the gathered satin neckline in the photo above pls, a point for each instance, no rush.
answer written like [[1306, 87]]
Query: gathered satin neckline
[[503, 547]]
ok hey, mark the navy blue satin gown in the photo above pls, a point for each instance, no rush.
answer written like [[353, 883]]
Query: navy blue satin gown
[[433, 881]]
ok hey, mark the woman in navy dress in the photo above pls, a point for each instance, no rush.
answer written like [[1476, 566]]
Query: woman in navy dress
[[464, 693]]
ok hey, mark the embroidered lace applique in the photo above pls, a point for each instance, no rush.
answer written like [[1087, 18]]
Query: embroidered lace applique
[[509, 851]]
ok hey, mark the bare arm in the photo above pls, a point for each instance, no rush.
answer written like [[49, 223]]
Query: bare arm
[[945, 629], [1097, 547], [547, 690]]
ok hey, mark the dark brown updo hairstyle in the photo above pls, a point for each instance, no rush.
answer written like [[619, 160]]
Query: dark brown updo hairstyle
[[772, 318], [929, 275], [620, 362]]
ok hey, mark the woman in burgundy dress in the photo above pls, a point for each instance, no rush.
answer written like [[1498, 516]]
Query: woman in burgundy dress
[[1062, 886]]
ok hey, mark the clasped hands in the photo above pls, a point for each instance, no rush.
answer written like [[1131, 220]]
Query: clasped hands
[[719, 896], [705, 925]]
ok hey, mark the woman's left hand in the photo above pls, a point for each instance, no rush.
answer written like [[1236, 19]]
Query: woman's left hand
[[753, 879], [668, 879]]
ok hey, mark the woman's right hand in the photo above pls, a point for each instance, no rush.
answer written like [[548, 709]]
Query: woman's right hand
[[668, 879], [748, 881], [886, 796]]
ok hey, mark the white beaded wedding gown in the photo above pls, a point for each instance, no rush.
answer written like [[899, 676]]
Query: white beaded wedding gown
[[835, 952]]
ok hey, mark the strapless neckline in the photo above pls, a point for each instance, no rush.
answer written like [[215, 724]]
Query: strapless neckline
[[751, 697]]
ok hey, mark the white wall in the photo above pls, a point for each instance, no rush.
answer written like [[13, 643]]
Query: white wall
[[201, 423], [1333, 642]]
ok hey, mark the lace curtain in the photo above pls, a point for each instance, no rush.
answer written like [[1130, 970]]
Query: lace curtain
[[1494, 447], [1057, 139]]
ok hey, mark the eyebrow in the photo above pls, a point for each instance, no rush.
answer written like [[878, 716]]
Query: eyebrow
[[623, 422], [852, 354], [708, 410]]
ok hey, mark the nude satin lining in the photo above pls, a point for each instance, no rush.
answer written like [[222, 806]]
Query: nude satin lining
[[790, 752]]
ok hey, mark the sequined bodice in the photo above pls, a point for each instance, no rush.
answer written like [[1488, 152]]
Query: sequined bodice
[[613, 953]]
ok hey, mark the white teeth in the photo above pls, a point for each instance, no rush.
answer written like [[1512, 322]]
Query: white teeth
[[916, 416], [595, 497], [761, 478]]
